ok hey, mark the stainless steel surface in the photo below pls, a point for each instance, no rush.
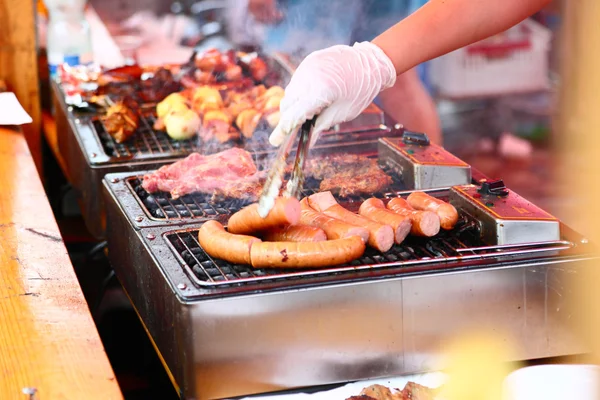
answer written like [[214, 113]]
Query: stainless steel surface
[[369, 119], [531, 223], [441, 170]]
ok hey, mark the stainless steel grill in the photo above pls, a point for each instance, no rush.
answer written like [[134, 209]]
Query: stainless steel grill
[[381, 315]]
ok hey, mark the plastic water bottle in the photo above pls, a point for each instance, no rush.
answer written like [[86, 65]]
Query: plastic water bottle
[[69, 37]]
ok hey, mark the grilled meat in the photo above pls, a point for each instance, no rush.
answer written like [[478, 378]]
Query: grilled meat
[[230, 173], [348, 174], [127, 82], [120, 122], [411, 391], [379, 392], [159, 86], [415, 391]]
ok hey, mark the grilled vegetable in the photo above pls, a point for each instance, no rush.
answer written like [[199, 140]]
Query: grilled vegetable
[[172, 102], [182, 125]]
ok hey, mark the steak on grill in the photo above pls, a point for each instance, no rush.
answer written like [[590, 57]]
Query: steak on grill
[[348, 174], [230, 173]]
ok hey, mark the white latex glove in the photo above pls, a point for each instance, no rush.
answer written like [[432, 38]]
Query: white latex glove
[[337, 83]]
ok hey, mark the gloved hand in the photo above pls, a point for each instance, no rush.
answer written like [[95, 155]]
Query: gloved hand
[[337, 83]]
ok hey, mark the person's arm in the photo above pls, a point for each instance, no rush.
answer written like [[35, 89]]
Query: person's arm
[[442, 26], [339, 82]]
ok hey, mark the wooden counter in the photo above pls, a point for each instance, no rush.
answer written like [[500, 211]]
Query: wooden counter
[[48, 341]]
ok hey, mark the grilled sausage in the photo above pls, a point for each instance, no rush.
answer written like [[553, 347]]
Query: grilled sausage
[[375, 210], [285, 212], [295, 233], [381, 236], [219, 243], [334, 228], [424, 223], [306, 254], [446, 211]]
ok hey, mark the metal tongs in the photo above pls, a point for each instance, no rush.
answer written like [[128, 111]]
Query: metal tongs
[[275, 178]]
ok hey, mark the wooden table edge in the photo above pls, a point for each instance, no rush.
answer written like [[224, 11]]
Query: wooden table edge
[[49, 343]]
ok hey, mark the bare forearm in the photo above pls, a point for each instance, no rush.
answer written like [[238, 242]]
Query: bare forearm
[[442, 26]]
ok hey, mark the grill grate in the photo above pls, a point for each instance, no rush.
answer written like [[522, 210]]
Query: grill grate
[[213, 272], [161, 206], [147, 141]]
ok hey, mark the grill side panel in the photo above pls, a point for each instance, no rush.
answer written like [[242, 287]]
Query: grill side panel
[[529, 308], [297, 338], [374, 329], [165, 318]]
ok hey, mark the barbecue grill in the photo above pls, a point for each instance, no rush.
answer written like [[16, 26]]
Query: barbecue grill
[[91, 153], [228, 330]]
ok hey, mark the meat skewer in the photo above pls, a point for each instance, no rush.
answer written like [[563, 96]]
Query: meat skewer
[[375, 210], [381, 236], [424, 223]]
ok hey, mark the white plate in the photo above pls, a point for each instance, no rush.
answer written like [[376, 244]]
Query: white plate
[[553, 382], [432, 380]]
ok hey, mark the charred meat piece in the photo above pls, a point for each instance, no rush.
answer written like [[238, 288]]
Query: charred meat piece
[[210, 61], [230, 174], [127, 81], [159, 86], [379, 392], [415, 391], [411, 391], [356, 182], [120, 74], [348, 174], [120, 122], [258, 69]]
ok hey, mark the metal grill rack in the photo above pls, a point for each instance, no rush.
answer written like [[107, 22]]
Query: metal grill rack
[[462, 243]]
